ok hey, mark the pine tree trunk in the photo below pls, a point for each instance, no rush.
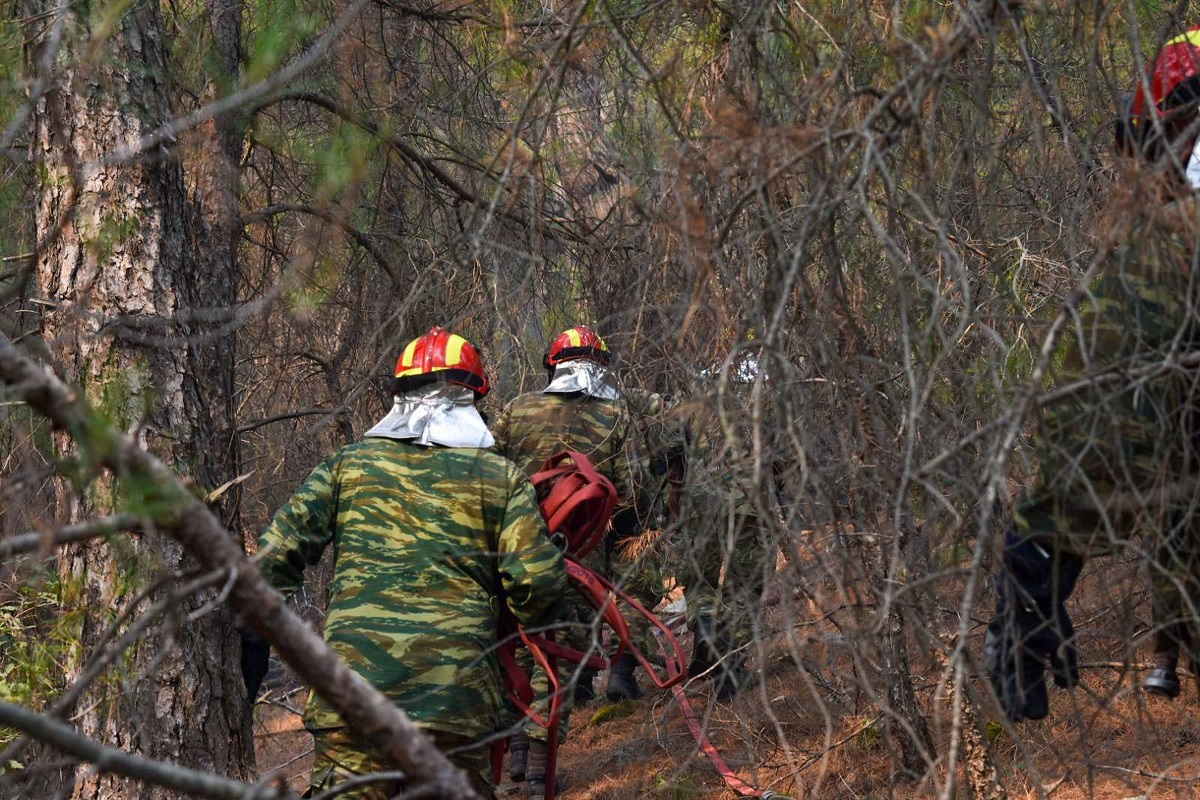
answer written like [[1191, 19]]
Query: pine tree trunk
[[135, 267], [909, 729]]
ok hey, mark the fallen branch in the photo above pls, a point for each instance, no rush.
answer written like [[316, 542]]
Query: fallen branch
[[364, 709]]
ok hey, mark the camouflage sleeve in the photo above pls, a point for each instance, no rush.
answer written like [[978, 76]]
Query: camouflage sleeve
[[300, 531], [531, 568], [624, 477], [500, 430]]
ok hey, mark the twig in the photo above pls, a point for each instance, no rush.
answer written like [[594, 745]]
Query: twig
[[306, 412], [354, 233], [44, 68], [35, 541], [360, 780]]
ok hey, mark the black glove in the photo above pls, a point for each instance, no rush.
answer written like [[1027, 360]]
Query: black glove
[[1031, 627], [256, 659]]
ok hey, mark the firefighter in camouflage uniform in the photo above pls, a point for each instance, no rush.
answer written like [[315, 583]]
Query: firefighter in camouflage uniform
[[724, 553], [1118, 440], [432, 531], [638, 560], [725, 566], [581, 409]]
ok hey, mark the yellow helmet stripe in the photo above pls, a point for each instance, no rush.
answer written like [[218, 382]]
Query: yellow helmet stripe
[[574, 338], [406, 358], [454, 348], [1191, 37]]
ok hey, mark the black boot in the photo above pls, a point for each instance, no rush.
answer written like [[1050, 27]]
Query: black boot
[[622, 685], [730, 681], [1163, 679], [703, 642], [518, 757]]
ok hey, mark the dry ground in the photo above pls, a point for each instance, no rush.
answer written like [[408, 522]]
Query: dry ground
[[806, 729]]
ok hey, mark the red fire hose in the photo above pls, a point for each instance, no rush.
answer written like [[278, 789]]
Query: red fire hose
[[578, 502], [739, 786]]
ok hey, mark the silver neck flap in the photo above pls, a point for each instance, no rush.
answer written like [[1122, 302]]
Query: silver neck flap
[[441, 414], [583, 375]]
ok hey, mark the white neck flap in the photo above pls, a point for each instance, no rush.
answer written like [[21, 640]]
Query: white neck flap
[[440, 414], [1192, 173]]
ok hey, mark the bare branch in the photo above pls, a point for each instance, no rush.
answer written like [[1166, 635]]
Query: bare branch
[[304, 412], [107, 759], [68, 534]]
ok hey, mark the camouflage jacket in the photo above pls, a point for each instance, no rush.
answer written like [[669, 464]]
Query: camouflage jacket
[[425, 541], [657, 440], [535, 426], [1118, 434]]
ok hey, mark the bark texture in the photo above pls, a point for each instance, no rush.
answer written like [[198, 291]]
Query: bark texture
[[135, 271]]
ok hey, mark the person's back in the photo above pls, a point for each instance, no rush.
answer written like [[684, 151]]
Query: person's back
[[421, 537], [433, 533], [538, 425], [580, 409]]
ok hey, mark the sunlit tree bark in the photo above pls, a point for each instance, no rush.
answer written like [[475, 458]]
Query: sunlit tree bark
[[137, 260]]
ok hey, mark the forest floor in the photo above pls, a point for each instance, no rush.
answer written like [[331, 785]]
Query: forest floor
[[806, 727]]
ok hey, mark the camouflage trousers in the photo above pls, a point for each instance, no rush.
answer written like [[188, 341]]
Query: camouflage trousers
[[641, 576], [724, 589], [577, 635], [1175, 598], [341, 756]]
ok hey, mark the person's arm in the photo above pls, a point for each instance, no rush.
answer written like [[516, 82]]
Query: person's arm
[[532, 570], [295, 538], [301, 530], [624, 452]]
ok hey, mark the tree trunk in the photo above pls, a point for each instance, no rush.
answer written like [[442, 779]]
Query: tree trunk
[[910, 730], [134, 267]]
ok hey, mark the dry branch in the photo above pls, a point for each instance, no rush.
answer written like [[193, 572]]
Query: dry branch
[[36, 541]]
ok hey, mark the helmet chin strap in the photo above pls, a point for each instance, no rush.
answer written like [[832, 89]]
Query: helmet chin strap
[[1192, 173]]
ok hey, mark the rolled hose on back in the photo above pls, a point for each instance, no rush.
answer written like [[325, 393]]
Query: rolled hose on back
[[575, 500]]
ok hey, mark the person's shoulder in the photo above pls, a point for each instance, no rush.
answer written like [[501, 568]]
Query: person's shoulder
[[534, 403]]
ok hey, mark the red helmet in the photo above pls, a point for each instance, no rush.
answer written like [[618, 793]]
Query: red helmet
[[578, 342], [440, 356], [1173, 80]]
